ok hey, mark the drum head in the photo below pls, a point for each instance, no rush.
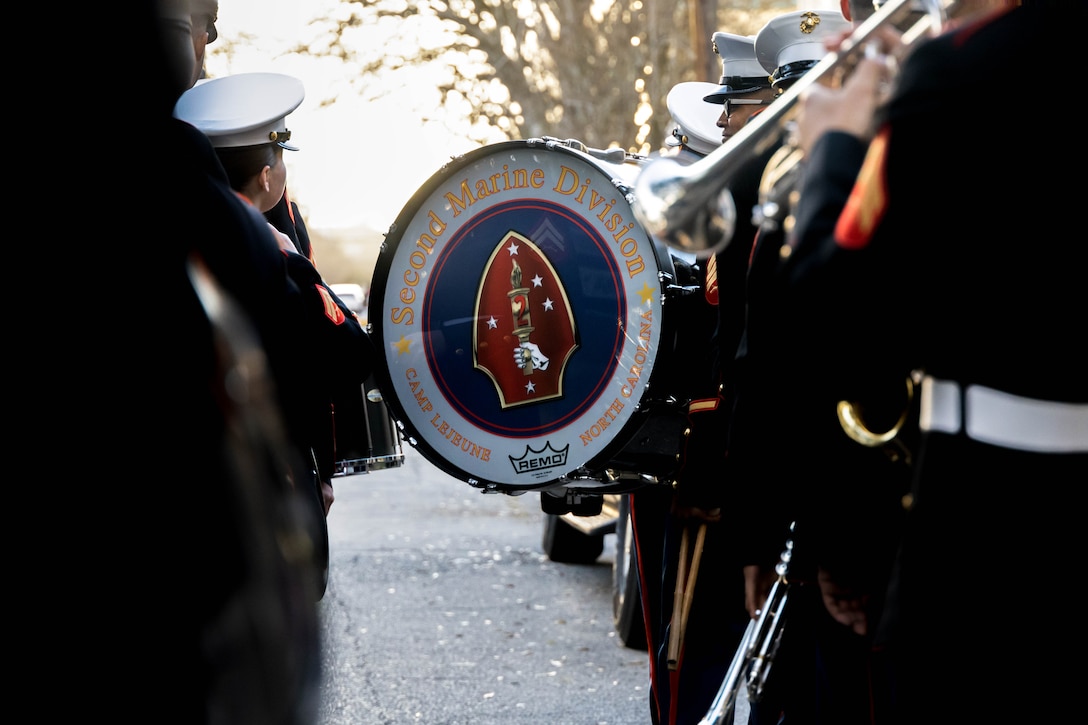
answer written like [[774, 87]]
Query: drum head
[[519, 307]]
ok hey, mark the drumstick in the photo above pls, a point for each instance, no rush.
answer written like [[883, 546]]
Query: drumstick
[[678, 602], [689, 590]]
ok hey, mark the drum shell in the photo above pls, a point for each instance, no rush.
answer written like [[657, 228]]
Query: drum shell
[[365, 436]]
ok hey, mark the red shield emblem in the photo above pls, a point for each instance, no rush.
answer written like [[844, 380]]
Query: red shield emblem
[[525, 332]]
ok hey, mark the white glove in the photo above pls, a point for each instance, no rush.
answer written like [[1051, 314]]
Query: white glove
[[529, 351]]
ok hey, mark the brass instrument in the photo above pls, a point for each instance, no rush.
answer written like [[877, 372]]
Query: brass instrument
[[751, 663], [853, 421], [854, 425], [689, 207]]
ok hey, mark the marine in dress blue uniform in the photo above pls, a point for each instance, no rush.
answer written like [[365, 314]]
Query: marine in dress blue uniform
[[332, 353], [988, 305], [820, 673], [687, 668], [225, 605]]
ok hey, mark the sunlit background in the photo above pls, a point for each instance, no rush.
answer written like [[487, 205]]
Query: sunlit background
[[370, 137], [360, 160]]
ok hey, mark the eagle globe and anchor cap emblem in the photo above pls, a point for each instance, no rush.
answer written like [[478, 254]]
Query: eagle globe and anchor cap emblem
[[809, 21]]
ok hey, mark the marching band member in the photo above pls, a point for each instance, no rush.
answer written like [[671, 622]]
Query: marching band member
[[245, 118], [226, 603], [695, 622], [821, 672], [689, 643], [744, 88], [984, 306]]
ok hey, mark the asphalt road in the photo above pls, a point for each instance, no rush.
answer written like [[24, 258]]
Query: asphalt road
[[442, 609]]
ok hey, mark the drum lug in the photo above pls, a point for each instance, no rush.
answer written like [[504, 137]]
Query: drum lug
[[675, 290]]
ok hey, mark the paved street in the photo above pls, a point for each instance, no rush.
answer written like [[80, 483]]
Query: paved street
[[442, 609]]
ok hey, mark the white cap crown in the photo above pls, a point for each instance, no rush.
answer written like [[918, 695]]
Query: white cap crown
[[245, 109], [790, 44], [741, 70], [696, 121]]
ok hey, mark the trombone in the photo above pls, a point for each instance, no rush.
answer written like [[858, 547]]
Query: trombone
[[690, 208]]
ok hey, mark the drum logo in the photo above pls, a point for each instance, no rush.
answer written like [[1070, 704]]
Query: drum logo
[[545, 458], [522, 316], [525, 332]]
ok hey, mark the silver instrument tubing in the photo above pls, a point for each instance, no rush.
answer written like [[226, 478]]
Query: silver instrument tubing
[[725, 701]]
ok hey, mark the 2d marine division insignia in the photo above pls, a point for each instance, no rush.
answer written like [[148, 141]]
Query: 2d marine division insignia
[[525, 331]]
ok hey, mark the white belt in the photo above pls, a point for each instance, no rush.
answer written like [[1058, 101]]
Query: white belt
[[1002, 419]]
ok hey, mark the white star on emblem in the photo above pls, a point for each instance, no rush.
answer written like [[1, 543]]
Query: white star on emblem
[[492, 323], [538, 281], [530, 388], [548, 304], [513, 249]]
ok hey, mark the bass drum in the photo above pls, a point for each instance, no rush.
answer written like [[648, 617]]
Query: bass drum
[[522, 313]]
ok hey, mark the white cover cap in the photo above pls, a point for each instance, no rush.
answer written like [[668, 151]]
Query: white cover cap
[[245, 109], [741, 70], [790, 44], [696, 120]]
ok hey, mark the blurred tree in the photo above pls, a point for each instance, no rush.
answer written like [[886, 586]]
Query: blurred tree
[[595, 70]]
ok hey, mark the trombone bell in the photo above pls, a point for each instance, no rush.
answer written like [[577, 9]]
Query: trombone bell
[[664, 192]]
